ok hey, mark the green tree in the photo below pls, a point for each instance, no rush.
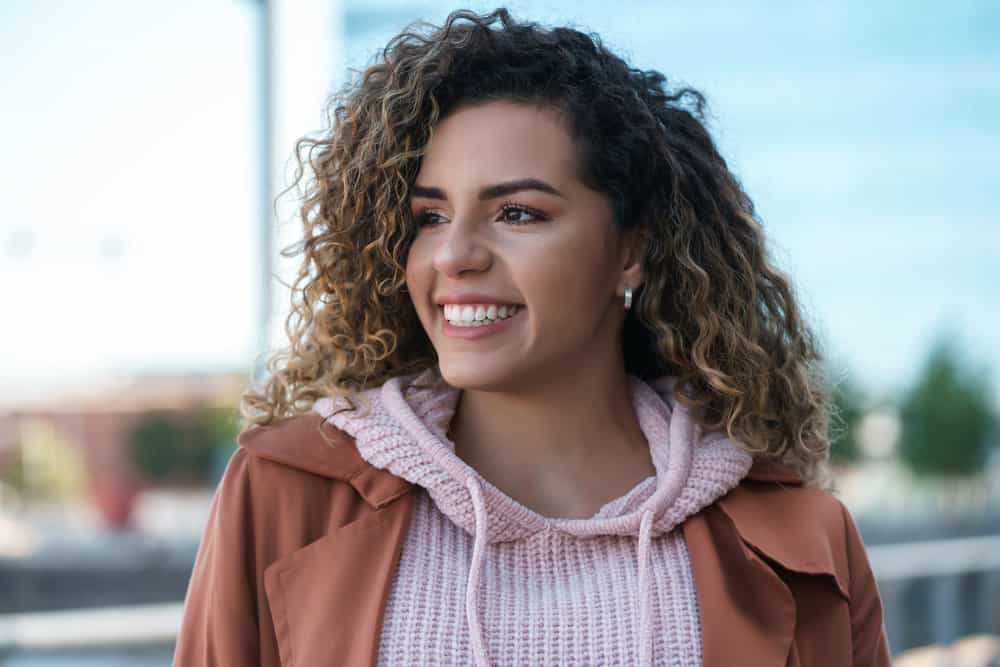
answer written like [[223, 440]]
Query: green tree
[[159, 447], [213, 432], [947, 417], [182, 447]]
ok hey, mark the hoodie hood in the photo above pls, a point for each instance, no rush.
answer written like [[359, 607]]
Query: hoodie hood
[[402, 427]]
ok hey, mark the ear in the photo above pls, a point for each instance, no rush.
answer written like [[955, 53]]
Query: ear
[[633, 250]]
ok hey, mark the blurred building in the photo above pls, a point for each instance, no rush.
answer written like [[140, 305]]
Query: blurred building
[[96, 425]]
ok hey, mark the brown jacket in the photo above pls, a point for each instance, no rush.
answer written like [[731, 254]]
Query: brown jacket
[[302, 540]]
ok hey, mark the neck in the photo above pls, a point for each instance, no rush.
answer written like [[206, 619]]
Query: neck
[[571, 442]]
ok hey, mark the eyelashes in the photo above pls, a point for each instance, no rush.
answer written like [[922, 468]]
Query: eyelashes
[[509, 207], [426, 218], [430, 218]]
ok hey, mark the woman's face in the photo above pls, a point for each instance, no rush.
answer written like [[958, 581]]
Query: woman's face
[[505, 222]]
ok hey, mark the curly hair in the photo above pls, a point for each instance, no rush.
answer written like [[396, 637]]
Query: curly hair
[[713, 311]]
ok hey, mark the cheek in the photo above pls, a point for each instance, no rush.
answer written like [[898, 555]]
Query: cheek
[[417, 278], [564, 279], [416, 259]]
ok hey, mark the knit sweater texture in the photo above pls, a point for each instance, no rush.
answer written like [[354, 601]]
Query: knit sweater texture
[[482, 579]]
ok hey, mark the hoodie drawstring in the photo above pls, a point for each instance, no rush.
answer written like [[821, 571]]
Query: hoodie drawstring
[[479, 654], [407, 436], [472, 587], [645, 633]]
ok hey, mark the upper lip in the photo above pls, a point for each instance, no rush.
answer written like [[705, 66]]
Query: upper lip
[[471, 297]]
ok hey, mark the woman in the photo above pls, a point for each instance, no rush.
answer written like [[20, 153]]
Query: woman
[[546, 399]]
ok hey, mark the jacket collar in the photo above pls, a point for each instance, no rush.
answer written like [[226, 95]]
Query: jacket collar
[[741, 550], [311, 590], [307, 442], [736, 545], [763, 516]]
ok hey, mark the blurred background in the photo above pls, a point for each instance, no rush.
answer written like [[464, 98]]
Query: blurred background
[[145, 142]]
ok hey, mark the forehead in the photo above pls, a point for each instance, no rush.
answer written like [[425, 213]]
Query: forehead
[[499, 140]]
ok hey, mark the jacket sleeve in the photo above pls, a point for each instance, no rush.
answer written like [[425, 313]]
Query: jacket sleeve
[[871, 648], [219, 625]]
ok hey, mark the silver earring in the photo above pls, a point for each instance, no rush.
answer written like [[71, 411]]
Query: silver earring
[[628, 298]]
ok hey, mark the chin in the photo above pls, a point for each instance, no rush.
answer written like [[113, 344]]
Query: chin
[[474, 375]]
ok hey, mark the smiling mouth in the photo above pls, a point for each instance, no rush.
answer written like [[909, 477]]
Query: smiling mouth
[[478, 315]]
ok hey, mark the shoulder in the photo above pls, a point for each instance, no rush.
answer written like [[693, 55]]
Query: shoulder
[[285, 471], [808, 530], [304, 454], [802, 528], [290, 483], [781, 491], [287, 459], [306, 443]]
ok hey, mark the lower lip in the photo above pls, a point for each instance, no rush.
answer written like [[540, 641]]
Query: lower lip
[[471, 333]]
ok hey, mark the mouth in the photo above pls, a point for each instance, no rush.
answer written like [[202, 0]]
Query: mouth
[[470, 322], [473, 315]]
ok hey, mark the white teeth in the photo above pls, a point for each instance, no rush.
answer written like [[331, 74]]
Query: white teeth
[[478, 314]]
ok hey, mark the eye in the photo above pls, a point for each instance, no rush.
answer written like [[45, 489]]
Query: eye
[[512, 214], [428, 218]]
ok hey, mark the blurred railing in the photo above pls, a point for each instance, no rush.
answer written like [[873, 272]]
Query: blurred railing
[[143, 625], [937, 591]]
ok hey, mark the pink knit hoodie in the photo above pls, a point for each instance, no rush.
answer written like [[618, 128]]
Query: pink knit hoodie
[[404, 429]]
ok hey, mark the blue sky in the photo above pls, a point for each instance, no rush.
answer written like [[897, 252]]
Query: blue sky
[[868, 135]]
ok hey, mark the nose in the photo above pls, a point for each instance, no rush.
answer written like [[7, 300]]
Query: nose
[[461, 250]]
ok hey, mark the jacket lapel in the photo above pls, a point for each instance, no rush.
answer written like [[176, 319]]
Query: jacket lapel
[[747, 612], [739, 547], [328, 598]]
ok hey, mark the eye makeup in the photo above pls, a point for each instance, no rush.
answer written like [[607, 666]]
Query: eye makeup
[[430, 217]]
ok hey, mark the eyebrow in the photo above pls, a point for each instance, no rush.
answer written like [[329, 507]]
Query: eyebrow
[[492, 191]]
